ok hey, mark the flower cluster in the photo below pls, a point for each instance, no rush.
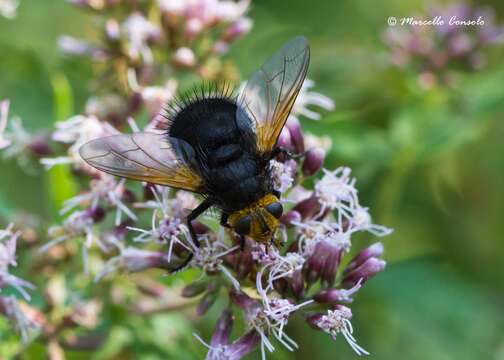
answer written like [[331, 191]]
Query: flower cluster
[[436, 52], [10, 306], [18, 143], [306, 274], [122, 226]]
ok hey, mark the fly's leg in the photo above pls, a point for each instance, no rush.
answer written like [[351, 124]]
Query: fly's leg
[[276, 242], [200, 209], [224, 222]]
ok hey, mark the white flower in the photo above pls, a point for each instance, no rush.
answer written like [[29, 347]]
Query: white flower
[[307, 98], [361, 221], [14, 312], [272, 317], [282, 174], [106, 189], [78, 224], [208, 256], [167, 217], [77, 131], [16, 141], [4, 113], [8, 258], [184, 56], [154, 97], [138, 31], [338, 321], [278, 266], [132, 260], [8, 8], [336, 190], [210, 12]]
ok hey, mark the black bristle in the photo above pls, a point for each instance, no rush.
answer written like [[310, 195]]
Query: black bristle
[[205, 90]]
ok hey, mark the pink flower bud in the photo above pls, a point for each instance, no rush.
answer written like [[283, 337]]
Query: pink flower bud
[[368, 269], [289, 217], [296, 134], [223, 329], [237, 29], [194, 289], [184, 57], [375, 250], [284, 140], [313, 161]]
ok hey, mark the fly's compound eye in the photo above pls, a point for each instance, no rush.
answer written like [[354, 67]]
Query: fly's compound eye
[[275, 209], [242, 226]]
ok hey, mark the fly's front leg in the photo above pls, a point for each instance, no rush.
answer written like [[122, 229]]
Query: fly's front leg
[[200, 209], [224, 222]]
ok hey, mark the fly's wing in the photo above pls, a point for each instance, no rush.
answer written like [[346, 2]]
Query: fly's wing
[[143, 156], [271, 91]]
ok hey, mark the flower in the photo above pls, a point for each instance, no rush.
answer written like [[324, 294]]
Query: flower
[[436, 53], [133, 260], [13, 310], [307, 98], [220, 348], [8, 8], [139, 32], [105, 189], [4, 112], [337, 321], [282, 174], [76, 225], [336, 190], [154, 97], [77, 131], [8, 258]]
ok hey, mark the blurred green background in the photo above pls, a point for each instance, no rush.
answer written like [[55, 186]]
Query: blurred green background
[[429, 163]]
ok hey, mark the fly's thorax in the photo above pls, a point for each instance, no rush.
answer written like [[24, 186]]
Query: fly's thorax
[[258, 220]]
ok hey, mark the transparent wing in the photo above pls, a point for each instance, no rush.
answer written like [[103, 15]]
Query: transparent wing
[[143, 156], [271, 91]]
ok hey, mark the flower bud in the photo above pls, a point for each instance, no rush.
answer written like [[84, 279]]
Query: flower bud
[[193, 28], [244, 264], [296, 134], [244, 344], [194, 289], [323, 262], [375, 250], [237, 29], [313, 161], [297, 284], [336, 295], [39, 146], [112, 30], [184, 57], [206, 303], [242, 300], [308, 207], [223, 329], [96, 213], [313, 320], [368, 269], [284, 140], [289, 217]]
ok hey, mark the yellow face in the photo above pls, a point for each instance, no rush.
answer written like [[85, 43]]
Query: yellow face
[[258, 220]]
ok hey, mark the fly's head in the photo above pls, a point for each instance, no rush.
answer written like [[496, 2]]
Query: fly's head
[[259, 220]]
